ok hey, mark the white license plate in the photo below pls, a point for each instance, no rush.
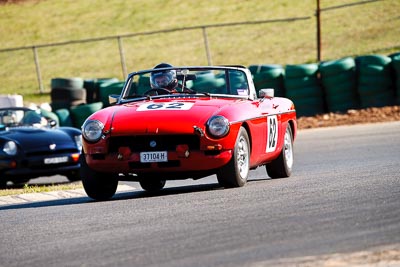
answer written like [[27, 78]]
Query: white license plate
[[153, 156], [55, 160]]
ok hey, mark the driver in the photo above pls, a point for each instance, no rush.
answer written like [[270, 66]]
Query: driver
[[164, 79]]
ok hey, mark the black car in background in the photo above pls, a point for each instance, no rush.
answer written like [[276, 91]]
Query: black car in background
[[32, 146]]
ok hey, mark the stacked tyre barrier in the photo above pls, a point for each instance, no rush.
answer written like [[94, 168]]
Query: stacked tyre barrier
[[109, 88], [303, 87], [268, 76], [335, 85], [80, 113], [330, 86], [64, 117], [67, 92], [75, 99], [209, 81], [375, 85], [143, 84], [92, 87], [338, 78], [396, 75]]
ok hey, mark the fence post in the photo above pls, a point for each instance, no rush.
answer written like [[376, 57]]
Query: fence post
[[122, 57], [207, 47], [38, 74], [318, 16]]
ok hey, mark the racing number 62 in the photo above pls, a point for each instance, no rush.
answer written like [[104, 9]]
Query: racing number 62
[[173, 105], [272, 129]]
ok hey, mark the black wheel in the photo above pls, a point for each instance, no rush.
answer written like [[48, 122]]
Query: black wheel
[[97, 185], [158, 91], [73, 176], [3, 184], [152, 185], [281, 167], [235, 173], [19, 182]]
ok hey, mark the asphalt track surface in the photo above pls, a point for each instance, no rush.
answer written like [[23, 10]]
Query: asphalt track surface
[[341, 206]]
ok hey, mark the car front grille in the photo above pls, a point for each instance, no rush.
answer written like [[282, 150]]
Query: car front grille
[[154, 142]]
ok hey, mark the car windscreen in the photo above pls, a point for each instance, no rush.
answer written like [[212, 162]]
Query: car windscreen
[[210, 81], [21, 117]]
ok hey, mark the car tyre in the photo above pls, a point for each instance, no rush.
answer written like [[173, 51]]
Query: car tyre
[[281, 167], [235, 173], [152, 185], [3, 184], [73, 176], [97, 185], [20, 182]]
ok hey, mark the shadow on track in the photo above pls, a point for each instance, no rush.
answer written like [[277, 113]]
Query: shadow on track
[[126, 195], [136, 194]]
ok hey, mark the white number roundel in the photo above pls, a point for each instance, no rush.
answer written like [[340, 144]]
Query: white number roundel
[[272, 133], [165, 106]]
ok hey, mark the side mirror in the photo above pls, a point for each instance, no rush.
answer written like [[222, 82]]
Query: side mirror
[[266, 92], [52, 123], [112, 99]]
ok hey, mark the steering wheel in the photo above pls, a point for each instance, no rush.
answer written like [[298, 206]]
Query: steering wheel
[[159, 91]]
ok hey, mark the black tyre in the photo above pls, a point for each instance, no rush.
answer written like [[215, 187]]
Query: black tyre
[[272, 78], [97, 185], [3, 184], [19, 182], [66, 104], [107, 89], [64, 117], [281, 167], [73, 176], [235, 173], [50, 115], [67, 94], [152, 185], [297, 83], [80, 113], [396, 63], [339, 78], [72, 83], [308, 106], [92, 88], [380, 60], [263, 67], [301, 70], [335, 67]]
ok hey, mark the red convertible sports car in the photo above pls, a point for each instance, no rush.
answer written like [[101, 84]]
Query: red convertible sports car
[[187, 122]]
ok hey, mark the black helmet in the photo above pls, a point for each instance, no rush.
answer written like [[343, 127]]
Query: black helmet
[[164, 79]]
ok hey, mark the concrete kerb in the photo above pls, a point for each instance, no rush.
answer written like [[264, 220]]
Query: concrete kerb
[[53, 195]]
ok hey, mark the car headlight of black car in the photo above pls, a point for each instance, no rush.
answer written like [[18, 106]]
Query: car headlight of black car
[[92, 130], [10, 148], [218, 126], [78, 141]]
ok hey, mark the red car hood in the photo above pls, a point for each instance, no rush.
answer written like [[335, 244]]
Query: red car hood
[[165, 116]]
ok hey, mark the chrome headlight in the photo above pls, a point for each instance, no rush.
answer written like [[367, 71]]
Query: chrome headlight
[[92, 130], [10, 148], [218, 126]]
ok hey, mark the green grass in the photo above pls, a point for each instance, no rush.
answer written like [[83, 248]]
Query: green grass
[[371, 28], [26, 189]]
